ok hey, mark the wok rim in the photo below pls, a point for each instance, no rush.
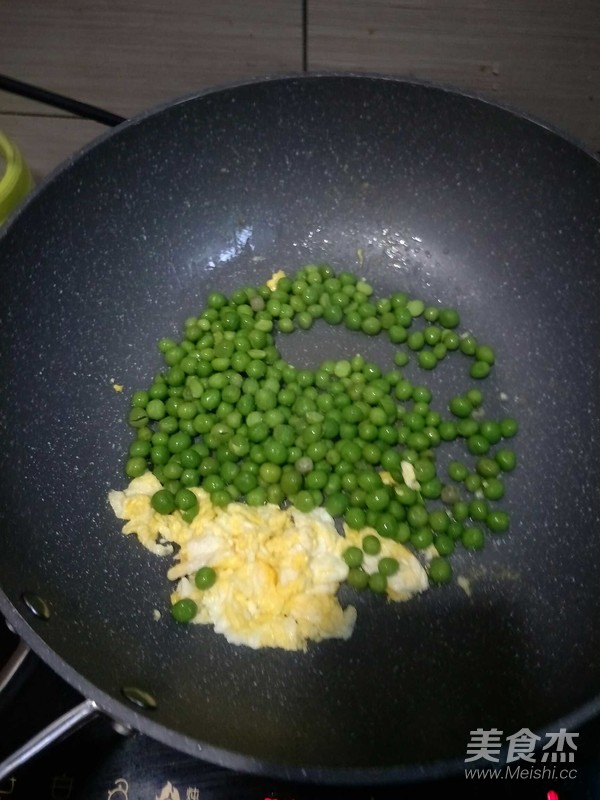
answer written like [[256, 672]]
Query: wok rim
[[529, 117], [118, 710]]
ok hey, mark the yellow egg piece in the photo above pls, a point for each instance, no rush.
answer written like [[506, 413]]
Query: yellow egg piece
[[278, 570]]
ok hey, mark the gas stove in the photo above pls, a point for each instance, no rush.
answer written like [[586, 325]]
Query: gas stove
[[100, 763]]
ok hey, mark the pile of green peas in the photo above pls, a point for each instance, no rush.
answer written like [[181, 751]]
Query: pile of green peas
[[230, 415]]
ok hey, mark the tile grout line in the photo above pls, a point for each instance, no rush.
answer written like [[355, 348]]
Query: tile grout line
[[304, 35]]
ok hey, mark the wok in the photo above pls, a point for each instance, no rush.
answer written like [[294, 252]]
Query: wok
[[421, 189]]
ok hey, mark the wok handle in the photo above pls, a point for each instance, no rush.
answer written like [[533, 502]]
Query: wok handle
[[62, 726], [83, 110]]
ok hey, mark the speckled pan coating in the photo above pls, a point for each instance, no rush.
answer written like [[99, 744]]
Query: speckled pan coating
[[448, 197]]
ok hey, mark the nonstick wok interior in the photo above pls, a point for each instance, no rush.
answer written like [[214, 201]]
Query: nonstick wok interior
[[419, 189]]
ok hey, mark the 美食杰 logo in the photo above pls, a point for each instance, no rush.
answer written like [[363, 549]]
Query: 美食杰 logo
[[523, 754]]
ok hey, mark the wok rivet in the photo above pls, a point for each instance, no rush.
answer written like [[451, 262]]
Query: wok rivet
[[36, 604], [122, 729], [139, 697]]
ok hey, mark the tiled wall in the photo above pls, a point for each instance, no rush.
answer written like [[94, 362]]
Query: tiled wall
[[540, 56]]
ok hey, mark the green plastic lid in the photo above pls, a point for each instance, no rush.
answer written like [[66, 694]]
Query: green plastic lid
[[15, 178]]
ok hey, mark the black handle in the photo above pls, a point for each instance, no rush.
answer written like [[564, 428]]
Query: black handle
[[83, 110]]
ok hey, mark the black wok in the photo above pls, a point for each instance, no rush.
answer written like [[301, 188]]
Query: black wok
[[446, 196]]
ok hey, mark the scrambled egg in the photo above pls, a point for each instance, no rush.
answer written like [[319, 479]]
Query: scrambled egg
[[278, 570], [274, 279]]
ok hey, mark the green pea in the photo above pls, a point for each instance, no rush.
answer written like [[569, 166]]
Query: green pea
[[190, 458], [140, 448], [506, 460], [371, 326], [269, 473], [386, 525], [416, 340], [497, 521], [487, 467], [449, 495], [401, 358], [439, 570], [447, 431], [480, 370], [256, 497], [378, 499], [355, 518], [138, 417], [173, 470], [317, 479], [353, 556], [135, 467], [158, 391], [451, 340], [427, 360], [357, 578], [245, 482], [406, 495], [205, 577], [478, 445], [402, 534], [460, 511], [460, 406], [371, 545], [403, 390], [421, 538], [415, 307], [431, 490], [397, 334], [485, 354], [304, 501], [455, 529], [156, 409], [432, 334], [468, 345], [188, 515], [493, 489], [444, 544], [473, 482], [388, 566], [189, 477], [417, 516], [378, 583], [491, 430], [424, 470], [467, 427], [438, 521], [179, 441], [163, 501], [472, 538], [476, 397], [509, 427], [418, 441], [184, 610], [478, 509], [457, 471], [449, 318]]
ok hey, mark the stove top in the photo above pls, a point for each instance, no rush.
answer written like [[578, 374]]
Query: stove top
[[98, 763]]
